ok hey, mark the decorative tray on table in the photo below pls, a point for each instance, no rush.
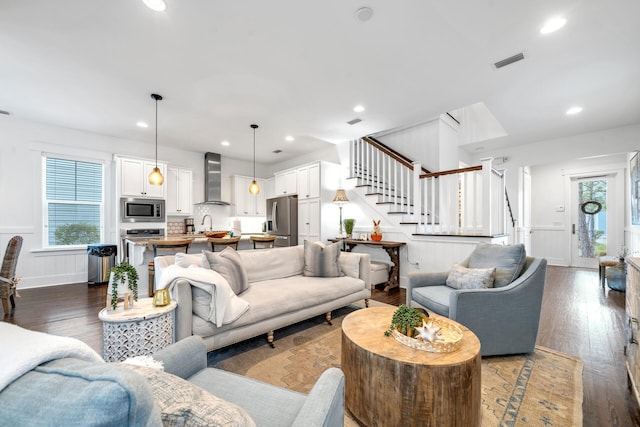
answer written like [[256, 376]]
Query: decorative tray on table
[[448, 338]]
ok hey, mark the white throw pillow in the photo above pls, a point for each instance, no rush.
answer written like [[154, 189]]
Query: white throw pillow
[[470, 278], [187, 260], [350, 264]]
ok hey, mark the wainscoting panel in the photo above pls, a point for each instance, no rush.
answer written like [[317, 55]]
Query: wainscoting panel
[[550, 242]]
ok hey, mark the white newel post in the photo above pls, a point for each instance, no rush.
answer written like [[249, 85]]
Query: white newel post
[[417, 193], [487, 197]]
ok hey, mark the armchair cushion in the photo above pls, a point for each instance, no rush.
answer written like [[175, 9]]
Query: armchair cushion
[[470, 278], [508, 261], [184, 404], [434, 298]]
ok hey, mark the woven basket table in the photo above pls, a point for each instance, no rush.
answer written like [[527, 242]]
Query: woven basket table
[[142, 330]]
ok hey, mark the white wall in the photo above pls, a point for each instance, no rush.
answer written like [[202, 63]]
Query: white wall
[[21, 149], [551, 162]]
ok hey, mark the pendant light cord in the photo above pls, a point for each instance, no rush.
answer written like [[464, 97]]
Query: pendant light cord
[[156, 132], [254, 154]]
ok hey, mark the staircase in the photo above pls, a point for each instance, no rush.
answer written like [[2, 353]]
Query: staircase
[[461, 202]]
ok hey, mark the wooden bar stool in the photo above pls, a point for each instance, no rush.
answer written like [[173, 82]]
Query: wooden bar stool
[[263, 241], [175, 245], [224, 242]]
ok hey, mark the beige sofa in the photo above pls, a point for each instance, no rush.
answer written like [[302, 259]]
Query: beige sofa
[[278, 295]]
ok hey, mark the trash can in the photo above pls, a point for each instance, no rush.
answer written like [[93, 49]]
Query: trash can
[[100, 260]]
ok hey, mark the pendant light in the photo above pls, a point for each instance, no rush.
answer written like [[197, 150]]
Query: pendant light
[[254, 188], [155, 177]]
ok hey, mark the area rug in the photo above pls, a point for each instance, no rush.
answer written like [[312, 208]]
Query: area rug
[[539, 389]]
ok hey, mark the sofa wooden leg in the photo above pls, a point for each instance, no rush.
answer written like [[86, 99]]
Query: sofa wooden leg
[[366, 302], [270, 339], [328, 317]]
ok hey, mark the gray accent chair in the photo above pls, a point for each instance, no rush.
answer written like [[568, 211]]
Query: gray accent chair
[[267, 404], [504, 319]]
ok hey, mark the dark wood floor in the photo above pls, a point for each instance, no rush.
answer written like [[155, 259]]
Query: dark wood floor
[[578, 318]]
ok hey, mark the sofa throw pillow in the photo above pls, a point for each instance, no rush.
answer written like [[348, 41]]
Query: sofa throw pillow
[[321, 261], [187, 260], [470, 278], [350, 264], [508, 261], [184, 404], [229, 264]]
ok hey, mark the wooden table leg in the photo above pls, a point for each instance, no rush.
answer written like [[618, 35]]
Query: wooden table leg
[[394, 273]]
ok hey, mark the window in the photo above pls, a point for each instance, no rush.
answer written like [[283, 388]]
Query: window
[[73, 205]]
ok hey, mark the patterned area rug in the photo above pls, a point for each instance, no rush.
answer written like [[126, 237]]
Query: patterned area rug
[[539, 389]]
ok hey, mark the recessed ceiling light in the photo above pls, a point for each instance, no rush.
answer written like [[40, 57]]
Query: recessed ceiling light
[[142, 125], [358, 108], [364, 14], [5, 112], [157, 5], [573, 110], [553, 24], [289, 138], [225, 143]]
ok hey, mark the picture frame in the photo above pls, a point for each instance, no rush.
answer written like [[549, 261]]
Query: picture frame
[[634, 171], [362, 236]]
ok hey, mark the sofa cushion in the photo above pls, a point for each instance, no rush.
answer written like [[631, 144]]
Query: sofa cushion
[[434, 298], [507, 259], [74, 392], [470, 278], [184, 404], [321, 261], [271, 298], [230, 266], [267, 264]]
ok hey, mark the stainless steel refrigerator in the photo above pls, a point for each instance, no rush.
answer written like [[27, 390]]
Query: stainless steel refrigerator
[[282, 220]]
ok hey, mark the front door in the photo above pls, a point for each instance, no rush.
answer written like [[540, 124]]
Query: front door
[[589, 220]]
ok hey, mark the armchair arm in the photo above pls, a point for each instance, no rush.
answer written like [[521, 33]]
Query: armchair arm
[[184, 358], [324, 405], [420, 279]]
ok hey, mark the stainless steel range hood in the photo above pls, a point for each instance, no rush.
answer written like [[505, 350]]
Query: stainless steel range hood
[[213, 180]]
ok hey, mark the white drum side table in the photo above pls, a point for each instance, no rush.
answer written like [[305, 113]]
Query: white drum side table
[[142, 330]]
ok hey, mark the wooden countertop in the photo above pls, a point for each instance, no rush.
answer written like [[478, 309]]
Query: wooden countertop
[[195, 238]]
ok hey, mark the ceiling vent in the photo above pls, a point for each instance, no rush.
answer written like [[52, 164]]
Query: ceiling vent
[[354, 121], [510, 60]]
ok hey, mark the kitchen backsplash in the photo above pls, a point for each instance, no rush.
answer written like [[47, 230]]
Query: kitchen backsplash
[[220, 220]]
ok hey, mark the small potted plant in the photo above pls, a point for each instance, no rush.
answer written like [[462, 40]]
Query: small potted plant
[[348, 226], [123, 278], [405, 319]]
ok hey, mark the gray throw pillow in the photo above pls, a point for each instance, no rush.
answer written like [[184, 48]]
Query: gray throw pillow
[[321, 261], [229, 264], [508, 260], [470, 278]]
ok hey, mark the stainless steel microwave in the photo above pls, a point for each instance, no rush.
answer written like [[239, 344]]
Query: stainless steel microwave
[[141, 210]]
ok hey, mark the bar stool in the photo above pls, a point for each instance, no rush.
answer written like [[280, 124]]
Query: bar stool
[[263, 241], [174, 245], [224, 242]]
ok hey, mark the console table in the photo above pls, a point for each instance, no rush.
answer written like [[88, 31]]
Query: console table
[[389, 384], [391, 248]]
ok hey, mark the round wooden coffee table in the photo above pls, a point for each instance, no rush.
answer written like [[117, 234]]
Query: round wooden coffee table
[[390, 384]]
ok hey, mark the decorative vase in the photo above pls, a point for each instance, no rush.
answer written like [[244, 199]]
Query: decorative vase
[[376, 237]]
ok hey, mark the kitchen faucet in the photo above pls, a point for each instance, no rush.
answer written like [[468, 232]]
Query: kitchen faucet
[[210, 221]]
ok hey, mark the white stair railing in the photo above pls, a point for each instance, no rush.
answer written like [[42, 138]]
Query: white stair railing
[[460, 201]]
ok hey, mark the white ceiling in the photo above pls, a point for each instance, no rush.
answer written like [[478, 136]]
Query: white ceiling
[[299, 67]]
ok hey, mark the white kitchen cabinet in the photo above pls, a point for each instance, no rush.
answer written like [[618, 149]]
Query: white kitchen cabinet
[[134, 179], [286, 182], [179, 191], [308, 180], [245, 203], [308, 220]]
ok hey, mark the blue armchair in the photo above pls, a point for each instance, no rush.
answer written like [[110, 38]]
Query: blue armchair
[[505, 319]]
